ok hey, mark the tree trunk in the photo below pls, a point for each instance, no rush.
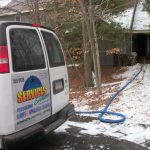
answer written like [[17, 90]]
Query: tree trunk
[[98, 66], [36, 11], [87, 58], [91, 41]]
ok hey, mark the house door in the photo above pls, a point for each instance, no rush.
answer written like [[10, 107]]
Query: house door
[[148, 47], [140, 45]]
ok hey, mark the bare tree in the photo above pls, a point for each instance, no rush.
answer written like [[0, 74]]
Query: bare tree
[[90, 29], [34, 7]]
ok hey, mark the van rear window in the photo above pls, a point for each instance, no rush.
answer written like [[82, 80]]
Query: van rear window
[[54, 50], [26, 48]]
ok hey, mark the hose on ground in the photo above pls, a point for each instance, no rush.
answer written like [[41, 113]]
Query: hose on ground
[[105, 111]]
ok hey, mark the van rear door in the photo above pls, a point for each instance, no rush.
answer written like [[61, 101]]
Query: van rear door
[[57, 70], [30, 76]]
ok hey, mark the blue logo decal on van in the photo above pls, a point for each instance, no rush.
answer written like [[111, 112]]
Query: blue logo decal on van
[[32, 89], [31, 83]]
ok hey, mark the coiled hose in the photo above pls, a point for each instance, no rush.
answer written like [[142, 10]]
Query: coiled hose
[[105, 110]]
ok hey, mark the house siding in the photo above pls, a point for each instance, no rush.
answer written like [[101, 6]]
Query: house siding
[[24, 17], [106, 60]]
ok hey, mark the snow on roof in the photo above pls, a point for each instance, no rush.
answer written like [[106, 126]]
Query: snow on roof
[[124, 18], [18, 6], [4, 2], [141, 20], [13, 7]]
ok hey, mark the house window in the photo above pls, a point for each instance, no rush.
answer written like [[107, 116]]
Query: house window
[[18, 18]]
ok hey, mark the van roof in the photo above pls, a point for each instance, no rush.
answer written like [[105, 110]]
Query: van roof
[[6, 23], [3, 26]]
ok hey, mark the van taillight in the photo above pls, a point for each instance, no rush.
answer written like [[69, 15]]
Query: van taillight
[[36, 25], [4, 63]]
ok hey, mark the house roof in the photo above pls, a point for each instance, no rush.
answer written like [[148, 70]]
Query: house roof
[[137, 18], [4, 3], [18, 6]]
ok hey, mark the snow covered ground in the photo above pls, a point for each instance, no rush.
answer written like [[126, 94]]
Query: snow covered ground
[[134, 102]]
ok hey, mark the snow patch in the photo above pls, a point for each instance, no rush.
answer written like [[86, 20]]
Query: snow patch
[[73, 65], [4, 3]]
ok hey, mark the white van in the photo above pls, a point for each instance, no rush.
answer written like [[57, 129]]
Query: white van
[[34, 88]]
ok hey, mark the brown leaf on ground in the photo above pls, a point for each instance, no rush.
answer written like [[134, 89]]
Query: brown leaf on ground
[[78, 92]]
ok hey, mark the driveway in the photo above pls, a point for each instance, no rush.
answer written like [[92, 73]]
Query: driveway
[[73, 139]]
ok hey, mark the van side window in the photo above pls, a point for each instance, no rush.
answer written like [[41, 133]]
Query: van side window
[[54, 51], [27, 53]]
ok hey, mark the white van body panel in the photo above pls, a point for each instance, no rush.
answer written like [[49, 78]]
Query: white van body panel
[[36, 106], [28, 112], [61, 99], [6, 105]]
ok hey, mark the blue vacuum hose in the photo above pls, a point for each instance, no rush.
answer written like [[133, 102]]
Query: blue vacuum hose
[[105, 110]]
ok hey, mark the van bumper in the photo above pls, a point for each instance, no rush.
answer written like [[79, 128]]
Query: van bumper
[[40, 129]]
